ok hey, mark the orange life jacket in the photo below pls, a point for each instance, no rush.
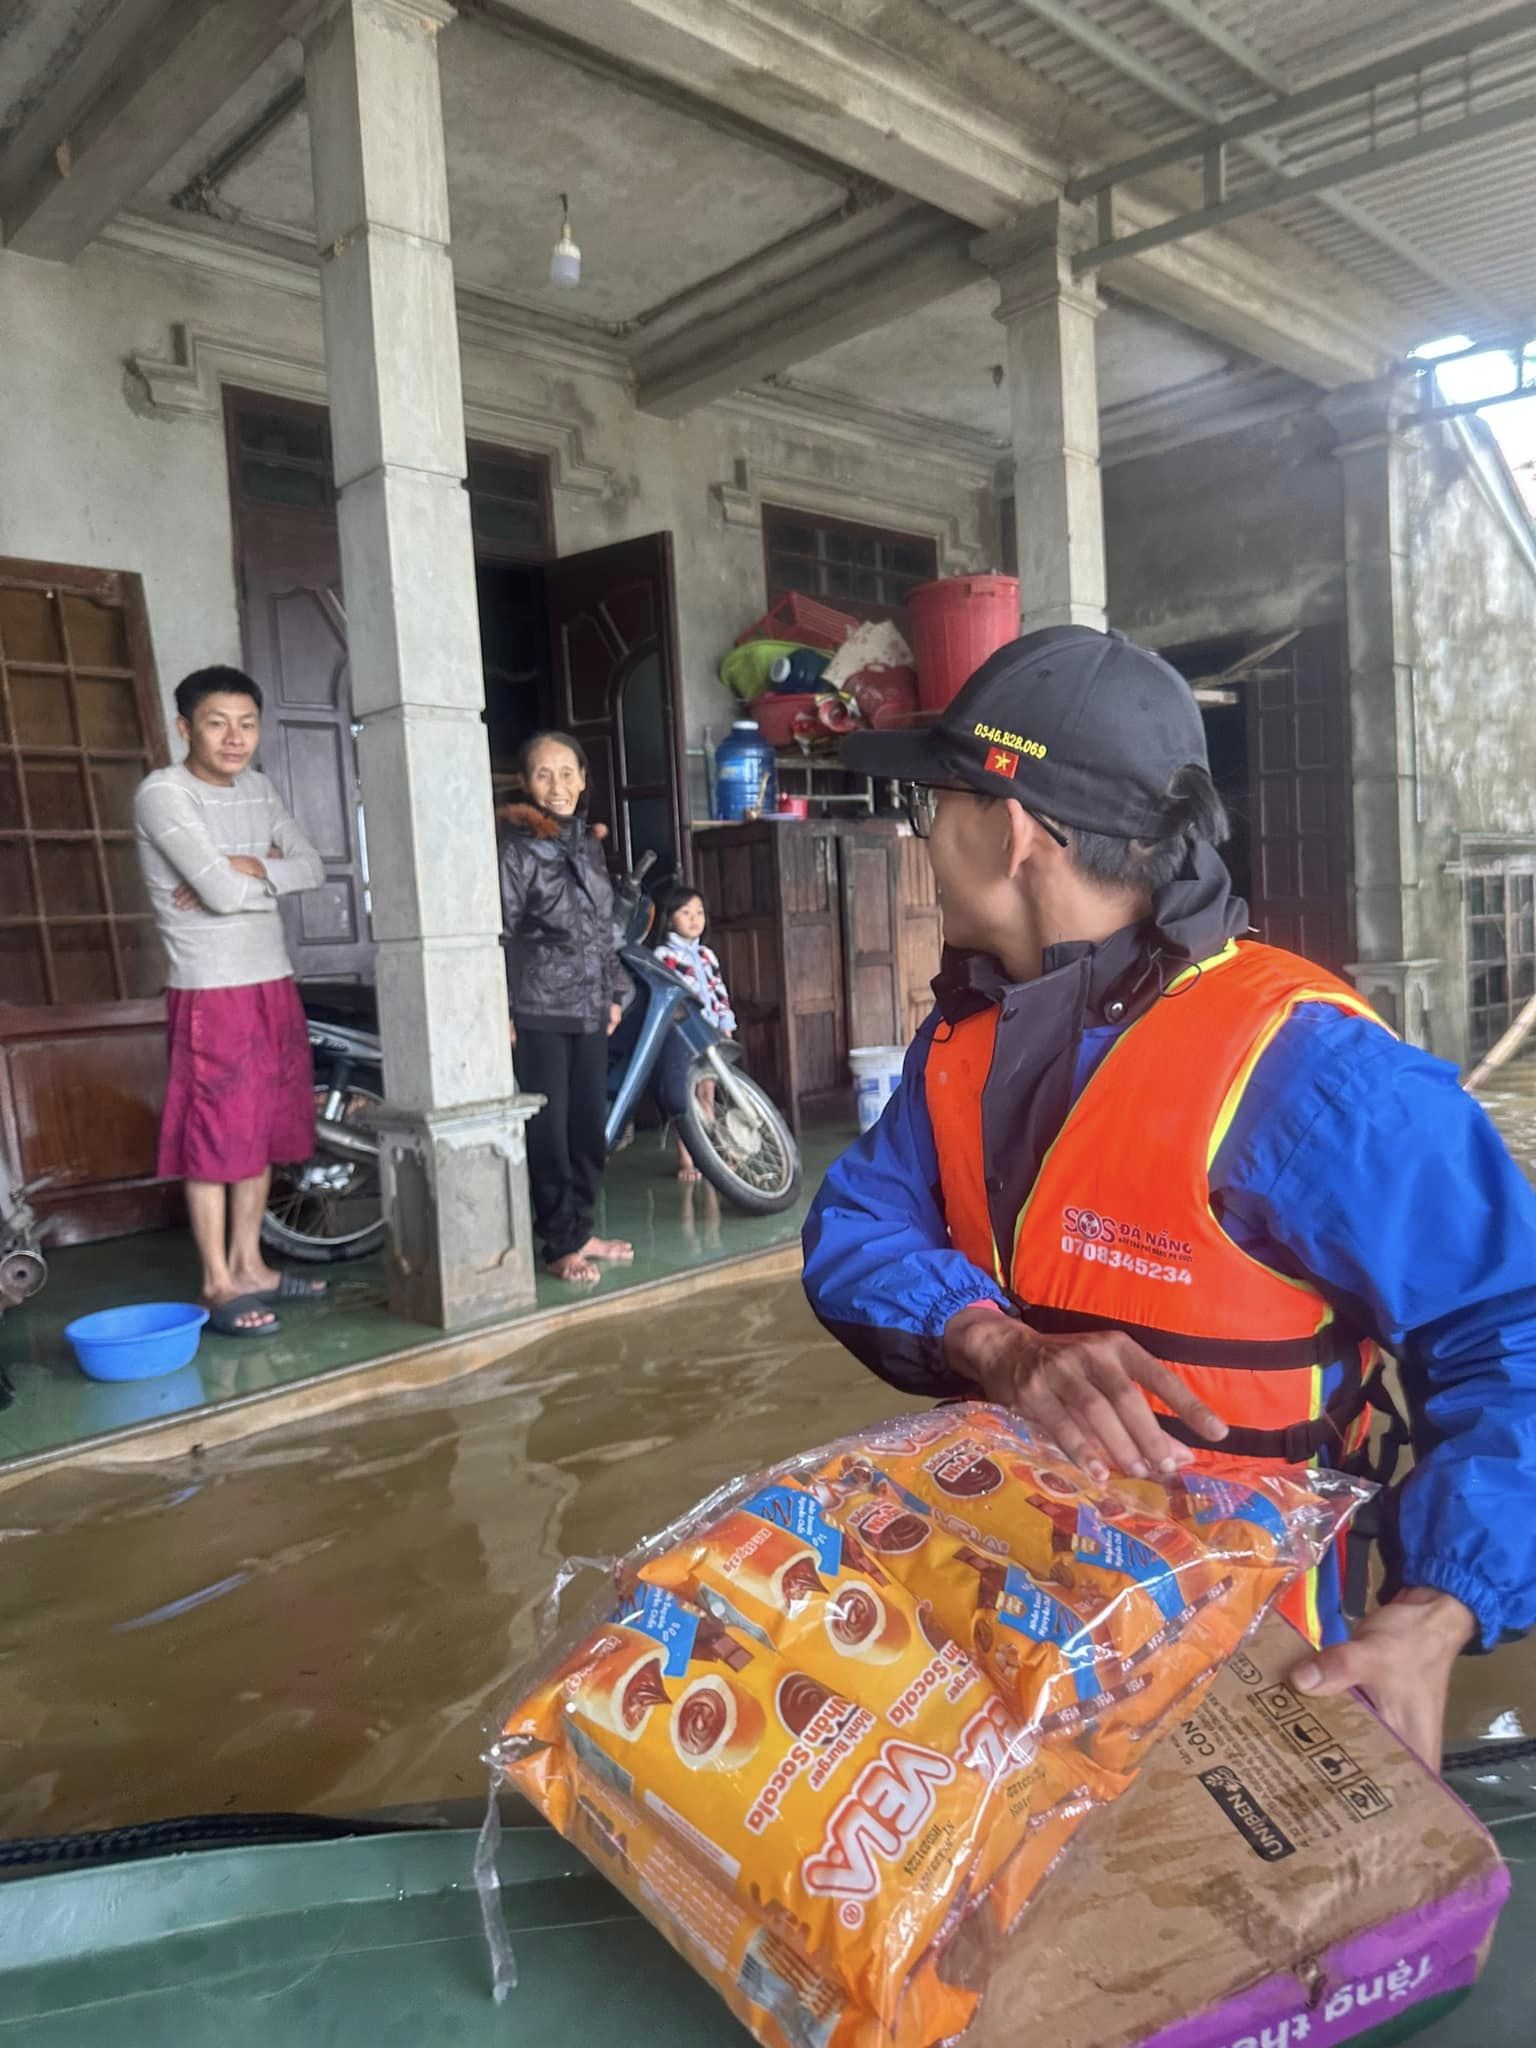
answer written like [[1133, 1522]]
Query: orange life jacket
[[1118, 1231]]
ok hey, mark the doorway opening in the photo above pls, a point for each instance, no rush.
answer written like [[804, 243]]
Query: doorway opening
[[586, 645], [1276, 715]]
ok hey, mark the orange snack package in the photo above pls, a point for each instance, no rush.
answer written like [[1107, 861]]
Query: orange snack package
[[844, 1703]]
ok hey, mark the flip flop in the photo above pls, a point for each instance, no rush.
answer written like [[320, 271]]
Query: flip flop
[[225, 1318], [294, 1287]]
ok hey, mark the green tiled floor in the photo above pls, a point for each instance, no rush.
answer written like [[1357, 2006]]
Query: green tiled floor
[[673, 1228]]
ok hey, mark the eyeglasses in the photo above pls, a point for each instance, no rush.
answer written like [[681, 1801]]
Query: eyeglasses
[[921, 799]]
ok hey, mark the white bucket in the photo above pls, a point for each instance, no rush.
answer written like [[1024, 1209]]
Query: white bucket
[[876, 1071]]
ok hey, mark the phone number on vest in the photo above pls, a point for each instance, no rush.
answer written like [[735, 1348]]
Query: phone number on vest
[[1091, 1238]]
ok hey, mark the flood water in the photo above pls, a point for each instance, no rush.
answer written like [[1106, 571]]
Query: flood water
[[323, 1617]]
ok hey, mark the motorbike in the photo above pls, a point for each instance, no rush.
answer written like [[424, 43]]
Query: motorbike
[[23, 1268], [330, 1208], [731, 1127]]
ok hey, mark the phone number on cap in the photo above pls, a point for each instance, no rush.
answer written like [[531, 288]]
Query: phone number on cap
[[1117, 1260]]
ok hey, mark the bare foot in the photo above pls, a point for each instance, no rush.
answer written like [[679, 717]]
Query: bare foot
[[257, 1279], [614, 1249], [575, 1268], [253, 1318], [686, 1170]]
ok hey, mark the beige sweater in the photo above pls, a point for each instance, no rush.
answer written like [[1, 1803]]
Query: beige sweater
[[187, 830]]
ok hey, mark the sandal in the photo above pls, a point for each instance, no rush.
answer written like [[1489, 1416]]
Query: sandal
[[224, 1319], [294, 1287]]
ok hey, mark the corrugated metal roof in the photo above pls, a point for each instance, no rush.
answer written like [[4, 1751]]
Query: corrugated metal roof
[[1449, 239]]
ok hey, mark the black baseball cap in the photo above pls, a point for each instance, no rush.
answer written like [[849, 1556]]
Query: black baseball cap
[[1085, 727]]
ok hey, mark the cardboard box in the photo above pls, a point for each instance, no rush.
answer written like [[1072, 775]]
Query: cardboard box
[[1284, 1874]]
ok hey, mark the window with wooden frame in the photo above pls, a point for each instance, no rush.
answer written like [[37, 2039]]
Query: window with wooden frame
[[510, 510], [868, 570], [1501, 949], [80, 728]]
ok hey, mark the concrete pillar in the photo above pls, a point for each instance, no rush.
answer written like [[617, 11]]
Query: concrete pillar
[[1393, 967], [1053, 388], [454, 1175]]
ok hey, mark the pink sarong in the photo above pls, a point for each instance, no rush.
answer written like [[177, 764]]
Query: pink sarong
[[240, 1093]]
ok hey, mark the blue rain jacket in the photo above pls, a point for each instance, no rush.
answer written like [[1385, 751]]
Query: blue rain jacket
[[1354, 1160]]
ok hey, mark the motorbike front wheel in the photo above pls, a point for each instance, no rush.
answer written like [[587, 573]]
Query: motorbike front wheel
[[746, 1152], [328, 1209]]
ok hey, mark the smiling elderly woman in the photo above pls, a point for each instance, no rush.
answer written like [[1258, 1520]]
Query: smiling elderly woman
[[564, 991]]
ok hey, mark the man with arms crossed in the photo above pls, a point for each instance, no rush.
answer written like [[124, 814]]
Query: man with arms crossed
[[217, 850]]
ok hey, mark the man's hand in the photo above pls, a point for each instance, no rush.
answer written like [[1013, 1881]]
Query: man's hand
[[1088, 1392], [615, 1017], [511, 1031], [1401, 1657], [247, 864], [186, 898]]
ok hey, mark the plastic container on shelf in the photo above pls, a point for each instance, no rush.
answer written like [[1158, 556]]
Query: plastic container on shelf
[[776, 712], [744, 670], [804, 619], [745, 777], [800, 671], [956, 623], [876, 1071]]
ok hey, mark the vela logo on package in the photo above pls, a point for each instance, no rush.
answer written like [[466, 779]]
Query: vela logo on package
[[1263, 1837]]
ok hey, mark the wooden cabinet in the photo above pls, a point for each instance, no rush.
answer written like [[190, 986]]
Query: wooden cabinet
[[828, 934]]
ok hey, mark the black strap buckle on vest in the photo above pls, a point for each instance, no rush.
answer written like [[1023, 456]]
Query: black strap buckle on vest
[[1333, 1345], [1299, 1442]]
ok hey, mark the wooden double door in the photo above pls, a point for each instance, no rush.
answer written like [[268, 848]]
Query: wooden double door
[[603, 667], [1280, 756]]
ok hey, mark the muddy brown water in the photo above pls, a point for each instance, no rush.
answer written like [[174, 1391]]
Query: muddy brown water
[[323, 1617]]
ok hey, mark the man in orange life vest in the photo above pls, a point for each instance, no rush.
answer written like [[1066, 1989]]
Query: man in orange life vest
[[1162, 1190]]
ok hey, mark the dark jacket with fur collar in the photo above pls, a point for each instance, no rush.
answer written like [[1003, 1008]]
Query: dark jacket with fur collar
[[557, 921]]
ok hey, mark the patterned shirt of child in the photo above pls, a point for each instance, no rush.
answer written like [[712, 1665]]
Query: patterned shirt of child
[[694, 961]]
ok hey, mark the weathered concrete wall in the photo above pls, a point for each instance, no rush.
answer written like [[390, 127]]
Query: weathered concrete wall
[[94, 470], [85, 477], [1473, 602], [1241, 532]]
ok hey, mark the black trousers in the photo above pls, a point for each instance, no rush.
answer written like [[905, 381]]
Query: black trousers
[[566, 1152]]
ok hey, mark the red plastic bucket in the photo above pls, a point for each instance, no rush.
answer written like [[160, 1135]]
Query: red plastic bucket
[[956, 623]]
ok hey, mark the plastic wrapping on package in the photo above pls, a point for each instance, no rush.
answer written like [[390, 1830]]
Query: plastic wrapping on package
[[844, 1703]]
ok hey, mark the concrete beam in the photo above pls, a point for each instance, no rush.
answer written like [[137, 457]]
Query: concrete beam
[[142, 89], [901, 94], [851, 276]]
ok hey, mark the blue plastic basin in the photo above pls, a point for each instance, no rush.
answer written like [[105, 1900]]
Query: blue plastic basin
[[137, 1343]]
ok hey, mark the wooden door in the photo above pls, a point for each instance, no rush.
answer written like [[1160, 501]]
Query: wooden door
[[613, 636], [1299, 770], [82, 1025], [921, 935], [869, 873], [294, 627]]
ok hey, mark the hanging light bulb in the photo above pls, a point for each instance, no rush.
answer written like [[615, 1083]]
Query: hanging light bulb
[[565, 259]]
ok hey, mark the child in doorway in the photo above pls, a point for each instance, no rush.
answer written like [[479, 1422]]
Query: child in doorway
[[681, 917]]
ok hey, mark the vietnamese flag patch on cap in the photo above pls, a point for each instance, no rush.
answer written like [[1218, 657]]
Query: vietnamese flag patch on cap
[[1001, 761]]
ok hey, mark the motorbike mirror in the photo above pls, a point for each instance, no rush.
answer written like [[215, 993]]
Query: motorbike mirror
[[644, 865]]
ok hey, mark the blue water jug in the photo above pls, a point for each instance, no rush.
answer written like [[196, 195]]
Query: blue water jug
[[744, 773]]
